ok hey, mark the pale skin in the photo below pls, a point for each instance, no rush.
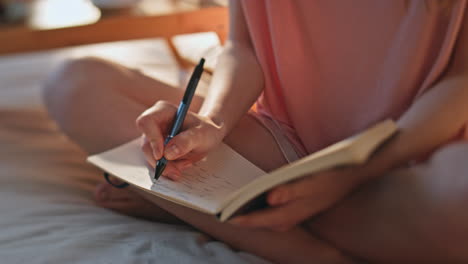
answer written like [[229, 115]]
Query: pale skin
[[286, 232]]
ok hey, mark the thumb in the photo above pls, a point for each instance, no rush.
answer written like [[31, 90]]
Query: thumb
[[182, 144]]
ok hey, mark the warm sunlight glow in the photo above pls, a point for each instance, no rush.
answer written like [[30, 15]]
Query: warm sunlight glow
[[49, 14]]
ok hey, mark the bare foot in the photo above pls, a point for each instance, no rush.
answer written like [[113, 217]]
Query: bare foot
[[128, 202]]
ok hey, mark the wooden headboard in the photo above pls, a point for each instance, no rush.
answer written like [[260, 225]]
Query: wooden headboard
[[22, 39]]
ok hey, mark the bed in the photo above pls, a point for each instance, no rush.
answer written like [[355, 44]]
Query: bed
[[47, 213]]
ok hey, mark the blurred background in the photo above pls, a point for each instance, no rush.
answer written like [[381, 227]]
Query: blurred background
[[162, 38], [32, 25], [45, 184], [49, 14]]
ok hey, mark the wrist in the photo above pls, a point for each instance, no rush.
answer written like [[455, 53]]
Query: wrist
[[383, 160], [218, 123]]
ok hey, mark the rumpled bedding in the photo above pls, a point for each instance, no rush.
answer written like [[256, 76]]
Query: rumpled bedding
[[47, 212]]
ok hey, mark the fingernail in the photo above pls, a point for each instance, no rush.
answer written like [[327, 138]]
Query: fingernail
[[284, 197], [172, 152], [157, 154], [279, 197], [274, 198], [156, 151]]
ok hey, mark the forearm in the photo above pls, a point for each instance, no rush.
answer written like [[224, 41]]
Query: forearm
[[238, 79], [435, 118], [236, 84], [387, 219], [404, 217]]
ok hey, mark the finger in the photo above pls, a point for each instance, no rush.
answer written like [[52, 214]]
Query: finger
[[169, 172], [311, 186], [276, 218], [172, 172], [286, 193], [182, 165], [182, 144], [152, 123], [193, 157], [281, 228], [153, 135], [148, 152]]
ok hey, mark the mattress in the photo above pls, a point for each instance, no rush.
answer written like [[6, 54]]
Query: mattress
[[47, 211]]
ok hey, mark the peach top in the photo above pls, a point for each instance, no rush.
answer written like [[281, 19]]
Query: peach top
[[333, 67]]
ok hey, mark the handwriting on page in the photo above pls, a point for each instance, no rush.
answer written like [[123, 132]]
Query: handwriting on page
[[207, 185], [197, 183]]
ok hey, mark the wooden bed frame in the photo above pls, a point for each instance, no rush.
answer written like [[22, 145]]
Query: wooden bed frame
[[126, 27]]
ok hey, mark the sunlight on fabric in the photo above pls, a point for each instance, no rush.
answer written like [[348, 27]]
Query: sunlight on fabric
[[49, 14]]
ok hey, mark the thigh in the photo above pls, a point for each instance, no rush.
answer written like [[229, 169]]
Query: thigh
[[294, 246], [413, 214], [96, 103]]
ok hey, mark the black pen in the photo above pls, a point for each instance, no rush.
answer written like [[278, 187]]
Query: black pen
[[181, 113]]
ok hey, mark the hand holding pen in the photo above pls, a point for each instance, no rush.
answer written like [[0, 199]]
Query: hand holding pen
[[171, 144]]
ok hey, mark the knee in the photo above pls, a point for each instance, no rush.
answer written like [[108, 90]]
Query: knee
[[445, 176], [71, 78], [72, 82], [446, 183]]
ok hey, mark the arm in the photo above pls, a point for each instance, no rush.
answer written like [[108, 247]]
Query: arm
[[236, 84], [434, 119], [412, 215]]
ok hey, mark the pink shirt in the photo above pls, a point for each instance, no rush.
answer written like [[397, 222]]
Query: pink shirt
[[334, 67]]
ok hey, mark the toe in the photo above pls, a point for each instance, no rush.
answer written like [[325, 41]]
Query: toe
[[101, 192]]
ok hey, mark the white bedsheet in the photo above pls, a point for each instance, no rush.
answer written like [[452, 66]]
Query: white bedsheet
[[47, 214]]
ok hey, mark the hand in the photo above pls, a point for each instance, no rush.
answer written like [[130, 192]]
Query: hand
[[294, 202], [198, 135]]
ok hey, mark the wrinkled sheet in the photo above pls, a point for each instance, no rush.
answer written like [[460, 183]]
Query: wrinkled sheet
[[47, 212]]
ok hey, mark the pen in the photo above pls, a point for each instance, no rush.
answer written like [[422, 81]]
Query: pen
[[181, 113]]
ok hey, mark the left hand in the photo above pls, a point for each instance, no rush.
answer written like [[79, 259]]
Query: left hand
[[294, 202]]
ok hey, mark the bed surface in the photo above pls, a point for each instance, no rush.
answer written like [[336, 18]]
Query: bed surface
[[48, 215]]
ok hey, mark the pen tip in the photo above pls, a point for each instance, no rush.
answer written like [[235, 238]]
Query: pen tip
[[159, 169], [202, 61]]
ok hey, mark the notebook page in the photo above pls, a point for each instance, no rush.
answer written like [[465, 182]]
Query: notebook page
[[208, 185]]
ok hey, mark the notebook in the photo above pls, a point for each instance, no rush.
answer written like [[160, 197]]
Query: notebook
[[225, 183]]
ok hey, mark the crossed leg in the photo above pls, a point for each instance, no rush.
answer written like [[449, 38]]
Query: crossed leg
[[410, 215], [96, 104]]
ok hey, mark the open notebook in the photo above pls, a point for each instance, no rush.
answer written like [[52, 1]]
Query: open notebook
[[224, 181]]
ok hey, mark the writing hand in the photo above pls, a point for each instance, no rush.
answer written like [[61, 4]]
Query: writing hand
[[199, 134]]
